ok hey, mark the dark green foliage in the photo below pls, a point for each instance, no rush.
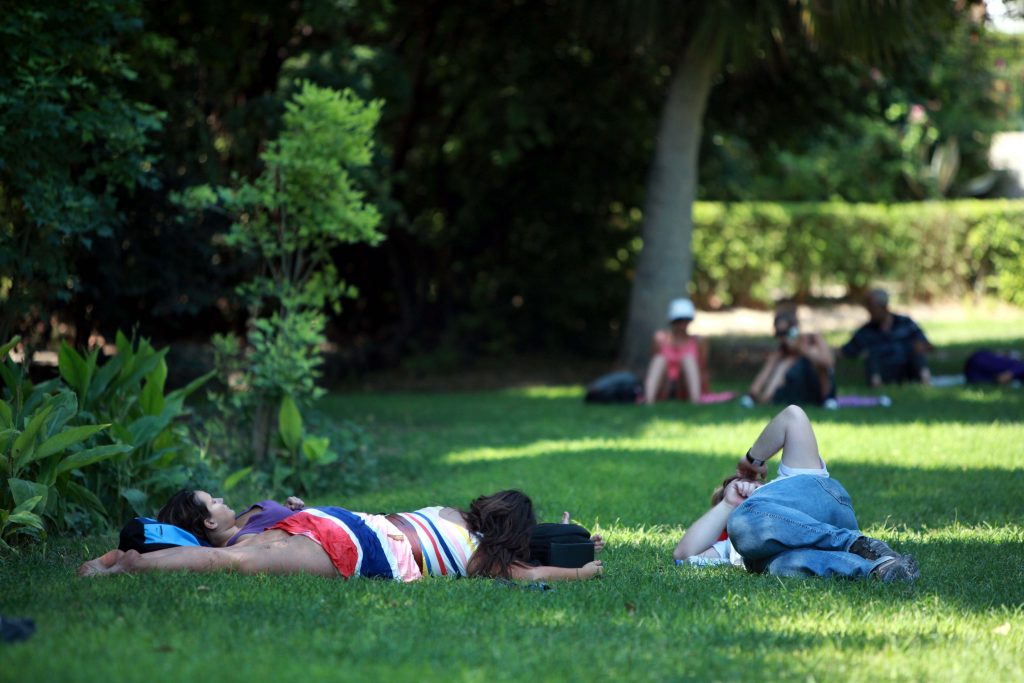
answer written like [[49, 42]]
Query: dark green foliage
[[306, 201], [71, 141], [820, 128], [746, 251], [509, 163]]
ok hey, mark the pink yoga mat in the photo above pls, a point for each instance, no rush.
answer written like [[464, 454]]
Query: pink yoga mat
[[717, 396]]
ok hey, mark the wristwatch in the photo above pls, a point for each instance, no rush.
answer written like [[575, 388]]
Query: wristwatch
[[754, 461]]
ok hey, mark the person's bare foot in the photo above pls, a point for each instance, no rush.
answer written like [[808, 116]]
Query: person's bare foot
[[102, 564]]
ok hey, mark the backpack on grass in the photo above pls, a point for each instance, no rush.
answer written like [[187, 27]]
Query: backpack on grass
[[146, 535], [561, 545], [615, 387]]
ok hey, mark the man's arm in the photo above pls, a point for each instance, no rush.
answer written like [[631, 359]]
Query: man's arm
[[855, 346], [919, 341]]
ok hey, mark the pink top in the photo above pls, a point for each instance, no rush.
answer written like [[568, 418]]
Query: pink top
[[674, 353]]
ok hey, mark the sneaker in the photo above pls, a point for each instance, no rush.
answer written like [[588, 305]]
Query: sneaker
[[872, 548], [902, 568], [746, 401]]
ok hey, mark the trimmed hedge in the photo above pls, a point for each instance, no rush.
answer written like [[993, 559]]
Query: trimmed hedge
[[746, 251]]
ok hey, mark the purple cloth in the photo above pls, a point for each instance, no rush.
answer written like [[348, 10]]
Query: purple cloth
[[985, 366], [270, 513], [858, 401]]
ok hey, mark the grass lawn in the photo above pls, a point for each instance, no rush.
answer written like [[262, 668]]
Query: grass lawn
[[939, 475]]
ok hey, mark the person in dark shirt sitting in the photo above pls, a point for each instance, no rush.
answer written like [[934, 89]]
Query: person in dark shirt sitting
[[896, 347]]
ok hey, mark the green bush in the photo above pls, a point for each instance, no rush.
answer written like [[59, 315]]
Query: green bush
[[92, 446], [744, 252], [307, 200]]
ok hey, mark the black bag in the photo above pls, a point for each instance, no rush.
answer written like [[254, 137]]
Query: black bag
[[561, 545], [616, 387]]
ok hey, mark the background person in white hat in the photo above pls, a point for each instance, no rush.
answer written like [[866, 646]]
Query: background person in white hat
[[678, 359]]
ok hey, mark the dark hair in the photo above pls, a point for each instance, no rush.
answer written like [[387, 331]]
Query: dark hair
[[504, 520], [184, 510], [787, 316]]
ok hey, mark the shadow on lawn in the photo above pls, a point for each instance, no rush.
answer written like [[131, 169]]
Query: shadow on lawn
[[643, 486]]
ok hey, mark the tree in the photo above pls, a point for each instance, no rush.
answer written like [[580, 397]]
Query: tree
[[710, 35], [71, 141], [305, 201]]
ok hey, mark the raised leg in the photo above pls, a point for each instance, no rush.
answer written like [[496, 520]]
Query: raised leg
[[655, 377], [791, 431], [691, 376]]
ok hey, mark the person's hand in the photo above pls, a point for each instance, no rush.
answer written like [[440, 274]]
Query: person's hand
[[738, 491], [748, 470], [566, 517], [294, 503], [591, 570], [598, 542]]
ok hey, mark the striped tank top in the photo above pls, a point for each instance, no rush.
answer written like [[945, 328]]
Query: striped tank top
[[446, 545]]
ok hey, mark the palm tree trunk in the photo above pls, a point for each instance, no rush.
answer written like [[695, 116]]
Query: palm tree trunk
[[665, 263]]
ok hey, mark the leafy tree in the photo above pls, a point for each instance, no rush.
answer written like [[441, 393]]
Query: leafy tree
[[707, 37], [70, 142], [304, 202]]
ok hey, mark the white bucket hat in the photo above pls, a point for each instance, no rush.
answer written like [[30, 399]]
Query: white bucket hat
[[680, 309]]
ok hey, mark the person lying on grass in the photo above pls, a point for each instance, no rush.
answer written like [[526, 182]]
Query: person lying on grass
[[492, 539], [800, 524]]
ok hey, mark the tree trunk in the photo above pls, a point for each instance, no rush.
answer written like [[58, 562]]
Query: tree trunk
[[665, 264]]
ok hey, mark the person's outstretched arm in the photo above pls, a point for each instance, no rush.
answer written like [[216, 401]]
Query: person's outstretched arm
[[790, 431], [544, 573], [703, 533]]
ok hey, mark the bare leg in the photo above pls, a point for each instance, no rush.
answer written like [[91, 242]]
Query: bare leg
[[791, 431], [775, 380], [278, 553], [691, 375], [655, 376]]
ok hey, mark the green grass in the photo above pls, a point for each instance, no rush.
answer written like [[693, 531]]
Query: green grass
[[939, 475]]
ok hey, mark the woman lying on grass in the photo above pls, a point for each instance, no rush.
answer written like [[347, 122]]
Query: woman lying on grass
[[491, 539], [799, 524]]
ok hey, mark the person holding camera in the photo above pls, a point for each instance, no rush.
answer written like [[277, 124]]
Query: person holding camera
[[799, 371]]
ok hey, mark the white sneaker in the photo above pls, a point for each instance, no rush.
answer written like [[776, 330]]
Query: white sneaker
[[884, 401], [746, 401]]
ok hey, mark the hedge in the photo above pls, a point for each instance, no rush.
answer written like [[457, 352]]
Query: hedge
[[745, 253]]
